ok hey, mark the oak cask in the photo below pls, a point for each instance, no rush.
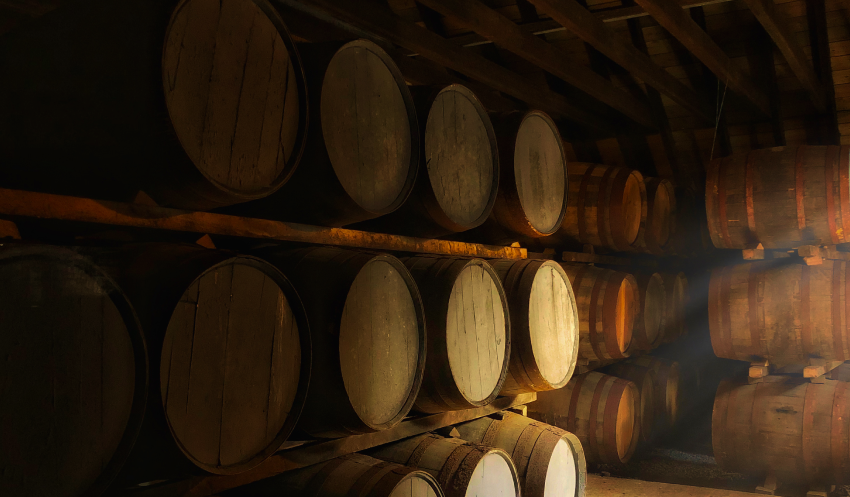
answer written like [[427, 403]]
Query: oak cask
[[668, 391], [647, 384], [676, 307], [650, 323], [198, 103], [660, 222]]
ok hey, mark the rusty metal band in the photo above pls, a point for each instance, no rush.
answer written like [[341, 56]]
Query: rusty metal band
[[538, 463], [840, 433], [749, 179], [420, 449], [524, 447], [844, 190], [370, 478], [574, 396], [752, 314], [721, 203], [837, 338], [609, 316], [582, 200], [609, 426], [726, 313], [591, 318], [830, 163], [491, 432], [314, 487], [604, 223], [458, 457], [800, 187], [805, 310], [592, 442]]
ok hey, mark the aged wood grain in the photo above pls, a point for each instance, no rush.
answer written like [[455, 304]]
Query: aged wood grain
[[539, 168]]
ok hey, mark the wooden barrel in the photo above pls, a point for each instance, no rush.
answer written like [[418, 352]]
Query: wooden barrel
[[73, 376], [650, 323], [200, 104], [549, 460], [605, 207], [798, 430], [781, 311], [660, 221], [363, 143], [667, 392], [544, 325], [841, 373], [469, 332], [676, 288], [781, 197], [646, 382], [612, 486], [347, 476], [462, 468], [368, 329], [601, 410], [607, 305], [457, 185]]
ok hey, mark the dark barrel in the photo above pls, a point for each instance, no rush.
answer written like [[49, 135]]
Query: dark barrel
[[646, 382], [469, 333], [549, 460], [347, 476], [368, 329], [544, 325], [668, 389], [199, 103], [660, 222], [648, 332], [73, 378], [362, 152]]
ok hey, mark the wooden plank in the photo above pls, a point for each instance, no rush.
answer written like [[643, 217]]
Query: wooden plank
[[777, 28], [601, 486], [314, 453], [502, 31], [373, 17], [593, 31], [683, 28], [60, 207], [595, 259], [816, 370]]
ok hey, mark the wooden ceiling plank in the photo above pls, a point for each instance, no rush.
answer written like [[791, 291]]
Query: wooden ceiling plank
[[506, 34], [679, 24], [776, 27], [583, 23]]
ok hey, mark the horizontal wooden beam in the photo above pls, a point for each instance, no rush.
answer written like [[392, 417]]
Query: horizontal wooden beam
[[583, 23], [16, 203], [314, 453], [679, 24], [378, 19], [499, 29], [777, 28]]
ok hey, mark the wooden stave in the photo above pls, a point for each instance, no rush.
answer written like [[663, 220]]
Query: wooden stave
[[137, 28], [374, 478], [517, 278], [328, 412], [641, 340], [120, 458], [799, 450], [647, 241], [436, 278], [461, 460], [530, 444], [795, 292], [667, 377], [155, 276], [558, 408], [761, 178], [676, 288], [646, 381], [604, 307]]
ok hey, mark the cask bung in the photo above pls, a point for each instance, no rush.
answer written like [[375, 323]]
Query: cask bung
[[459, 175], [601, 410], [668, 393], [607, 306], [73, 376], [199, 103], [362, 151], [797, 429], [368, 329], [605, 207], [780, 311], [469, 332], [650, 323], [647, 384], [660, 223], [781, 197], [544, 325], [676, 289], [549, 460], [347, 476], [463, 469]]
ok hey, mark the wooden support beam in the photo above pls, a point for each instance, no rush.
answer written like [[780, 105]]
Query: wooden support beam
[[820, 368], [373, 17], [781, 34], [316, 452], [607, 486], [505, 33], [16, 203], [593, 31], [670, 15]]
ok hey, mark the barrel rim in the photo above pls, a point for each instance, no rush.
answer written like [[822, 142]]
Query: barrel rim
[[298, 402], [416, 147], [274, 16], [652, 186], [137, 340], [487, 450], [422, 475]]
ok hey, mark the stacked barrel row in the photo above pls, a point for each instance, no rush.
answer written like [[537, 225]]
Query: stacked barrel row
[[212, 105]]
